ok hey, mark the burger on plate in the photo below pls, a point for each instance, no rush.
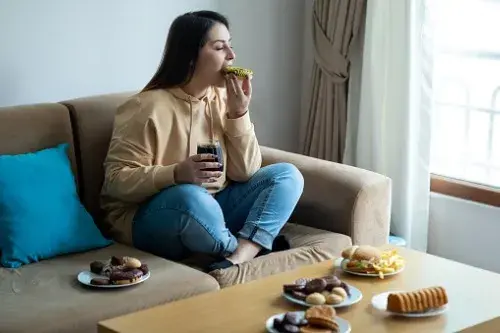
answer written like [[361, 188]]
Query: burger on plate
[[362, 258]]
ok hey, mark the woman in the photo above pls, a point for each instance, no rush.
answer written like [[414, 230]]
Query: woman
[[158, 194]]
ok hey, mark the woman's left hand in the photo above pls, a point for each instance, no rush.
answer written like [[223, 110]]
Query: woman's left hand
[[238, 97]]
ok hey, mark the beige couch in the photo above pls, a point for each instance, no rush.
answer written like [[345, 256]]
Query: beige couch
[[340, 205]]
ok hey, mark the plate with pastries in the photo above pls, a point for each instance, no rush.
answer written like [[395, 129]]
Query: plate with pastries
[[424, 302], [319, 318], [327, 290], [115, 272], [366, 260]]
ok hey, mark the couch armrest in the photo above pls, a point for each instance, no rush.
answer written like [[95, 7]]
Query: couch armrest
[[339, 197]]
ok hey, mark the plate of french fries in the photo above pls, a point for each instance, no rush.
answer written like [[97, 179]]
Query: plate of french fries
[[389, 263]]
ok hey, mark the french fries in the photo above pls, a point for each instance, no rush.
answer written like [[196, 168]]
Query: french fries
[[389, 262]]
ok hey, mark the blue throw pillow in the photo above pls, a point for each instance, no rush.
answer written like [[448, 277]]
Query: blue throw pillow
[[41, 215]]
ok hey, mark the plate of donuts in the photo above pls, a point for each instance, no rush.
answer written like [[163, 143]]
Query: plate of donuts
[[116, 272], [328, 290]]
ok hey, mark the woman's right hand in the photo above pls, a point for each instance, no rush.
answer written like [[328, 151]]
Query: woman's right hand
[[191, 170]]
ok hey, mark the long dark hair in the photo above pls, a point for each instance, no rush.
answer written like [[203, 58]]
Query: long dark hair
[[187, 35]]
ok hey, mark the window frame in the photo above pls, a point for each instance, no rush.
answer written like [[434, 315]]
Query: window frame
[[465, 190]]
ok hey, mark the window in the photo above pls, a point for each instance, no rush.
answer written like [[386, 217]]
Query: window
[[465, 142]]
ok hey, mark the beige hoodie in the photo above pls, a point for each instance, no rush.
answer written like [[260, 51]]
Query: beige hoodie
[[155, 130]]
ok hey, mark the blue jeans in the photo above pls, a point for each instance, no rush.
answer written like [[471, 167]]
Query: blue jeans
[[185, 219]]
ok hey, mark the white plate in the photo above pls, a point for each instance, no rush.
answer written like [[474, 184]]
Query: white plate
[[345, 261], [355, 297], [379, 302], [344, 325], [85, 276]]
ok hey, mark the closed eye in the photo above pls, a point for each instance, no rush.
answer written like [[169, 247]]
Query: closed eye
[[221, 48]]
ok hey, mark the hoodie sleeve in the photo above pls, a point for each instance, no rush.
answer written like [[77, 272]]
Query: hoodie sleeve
[[243, 151], [130, 174]]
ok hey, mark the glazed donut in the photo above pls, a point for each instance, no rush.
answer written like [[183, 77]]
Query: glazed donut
[[125, 277]]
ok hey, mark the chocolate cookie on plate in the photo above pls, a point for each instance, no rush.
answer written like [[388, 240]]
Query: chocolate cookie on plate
[[99, 281], [315, 286]]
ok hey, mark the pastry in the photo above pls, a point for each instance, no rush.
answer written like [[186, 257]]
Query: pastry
[[144, 268], [299, 295], [339, 291], [315, 329], [118, 270], [125, 277], [334, 299], [316, 291], [238, 71], [107, 269], [277, 324], [96, 267], [315, 286], [337, 296], [417, 301], [320, 311], [332, 282], [302, 281], [99, 281], [292, 318], [291, 323], [322, 317], [316, 299], [131, 262], [344, 286], [287, 328], [116, 261], [288, 288]]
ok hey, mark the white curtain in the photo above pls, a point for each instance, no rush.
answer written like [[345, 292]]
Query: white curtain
[[389, 119]]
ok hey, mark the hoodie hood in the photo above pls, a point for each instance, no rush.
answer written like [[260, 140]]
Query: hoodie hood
[[210, 95]]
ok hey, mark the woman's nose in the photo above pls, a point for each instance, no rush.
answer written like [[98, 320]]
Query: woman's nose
[[230, 54]]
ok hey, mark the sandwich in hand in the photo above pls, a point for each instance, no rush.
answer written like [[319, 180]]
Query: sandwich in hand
[[370, 260], [417, 301]]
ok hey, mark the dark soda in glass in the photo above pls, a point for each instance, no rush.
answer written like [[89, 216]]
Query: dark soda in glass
[[214, 149]]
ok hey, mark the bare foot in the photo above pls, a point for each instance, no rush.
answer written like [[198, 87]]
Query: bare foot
[[246, 250]]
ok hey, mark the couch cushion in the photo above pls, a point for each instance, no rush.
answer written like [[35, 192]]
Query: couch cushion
[[46, 297], [308, 246], [28, 128], [40, 213], [93, 119]]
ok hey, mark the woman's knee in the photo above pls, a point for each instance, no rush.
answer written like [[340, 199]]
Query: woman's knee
[[287, 174], [185, 198]]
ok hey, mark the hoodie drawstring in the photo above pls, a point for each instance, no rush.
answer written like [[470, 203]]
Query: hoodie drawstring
[[190, 138], [212, 139]]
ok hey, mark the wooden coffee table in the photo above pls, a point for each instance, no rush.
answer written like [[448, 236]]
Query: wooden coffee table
[[473, 293]]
